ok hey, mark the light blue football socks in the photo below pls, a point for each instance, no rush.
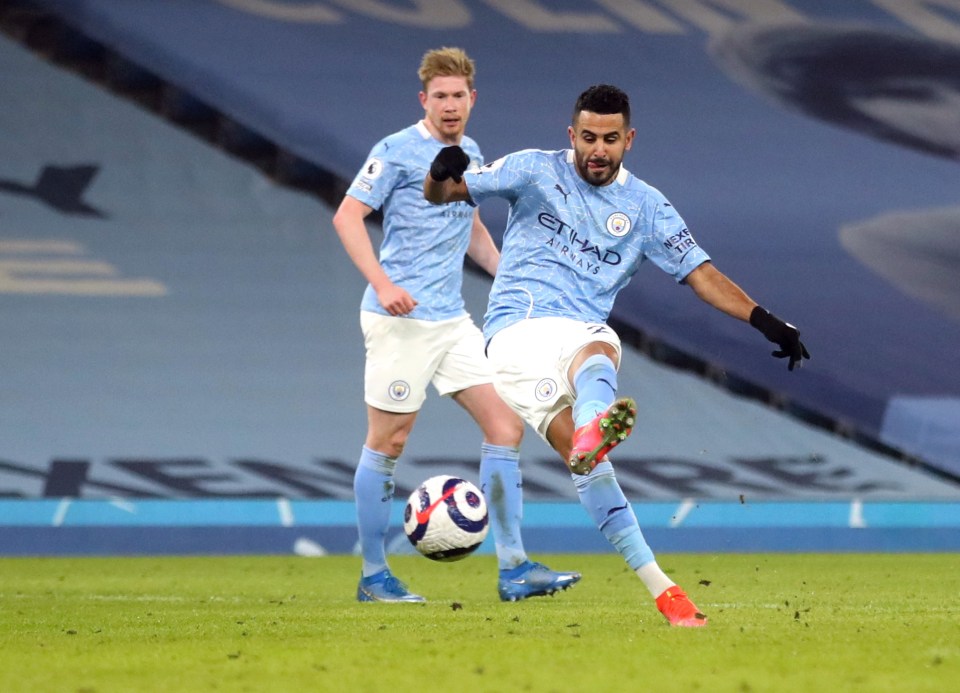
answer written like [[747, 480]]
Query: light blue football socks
[[601, 495], [599, 491], [596, 386], [373, 492], [501, 483]]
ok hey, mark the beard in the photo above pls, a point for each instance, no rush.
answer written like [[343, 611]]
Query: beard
[[597, 177]]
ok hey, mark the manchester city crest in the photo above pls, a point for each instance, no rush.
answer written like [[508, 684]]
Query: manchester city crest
[[546, 389], [399, 390], [618, 224]]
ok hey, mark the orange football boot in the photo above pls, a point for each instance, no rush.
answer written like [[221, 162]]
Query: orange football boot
[[593, 440], [679, 610]]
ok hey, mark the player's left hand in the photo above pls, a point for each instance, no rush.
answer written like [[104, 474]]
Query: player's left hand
[[781, 333], [450, 162]]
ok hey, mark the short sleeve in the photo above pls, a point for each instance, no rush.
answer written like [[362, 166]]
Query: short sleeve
[[505, 177], [671, 246], [378, 176]]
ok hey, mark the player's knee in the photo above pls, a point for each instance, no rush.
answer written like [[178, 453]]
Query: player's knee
[[390, 445], [506, 431], [396, 445]]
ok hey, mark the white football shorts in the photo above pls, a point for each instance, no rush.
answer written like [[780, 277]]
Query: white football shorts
[[531, 358], [405, 355]]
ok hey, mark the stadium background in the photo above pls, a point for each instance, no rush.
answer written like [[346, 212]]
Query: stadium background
[[182, 363]]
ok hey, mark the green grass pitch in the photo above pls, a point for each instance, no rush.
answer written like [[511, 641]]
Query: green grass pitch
[[778, 622]]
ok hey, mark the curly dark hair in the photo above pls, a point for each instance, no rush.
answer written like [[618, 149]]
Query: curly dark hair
[[604, 99]]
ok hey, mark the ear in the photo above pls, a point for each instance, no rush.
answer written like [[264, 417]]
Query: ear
[[629, 139], [573, 135], [423, 99]]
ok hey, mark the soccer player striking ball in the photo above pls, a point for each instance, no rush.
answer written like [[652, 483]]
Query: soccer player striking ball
[[580, 225], [417, 331]]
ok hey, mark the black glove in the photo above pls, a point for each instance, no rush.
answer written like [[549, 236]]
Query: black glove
[[451, 162], [781, 333]]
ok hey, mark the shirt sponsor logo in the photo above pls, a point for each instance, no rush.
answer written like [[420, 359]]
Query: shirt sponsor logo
[[579, 251], [680, 243], [457, 213]]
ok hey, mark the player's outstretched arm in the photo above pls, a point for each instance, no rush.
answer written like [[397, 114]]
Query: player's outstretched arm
[[714, 287], [445, 183]]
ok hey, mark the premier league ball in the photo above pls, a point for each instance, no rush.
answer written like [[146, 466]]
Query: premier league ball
[[446, 518]]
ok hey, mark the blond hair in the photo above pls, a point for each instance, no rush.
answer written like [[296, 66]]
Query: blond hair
[[446, 62]]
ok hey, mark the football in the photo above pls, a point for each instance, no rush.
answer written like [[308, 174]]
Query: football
[[446, 518]]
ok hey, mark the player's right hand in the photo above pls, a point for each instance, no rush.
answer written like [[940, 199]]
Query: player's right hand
[[396, 301], [450, 162]]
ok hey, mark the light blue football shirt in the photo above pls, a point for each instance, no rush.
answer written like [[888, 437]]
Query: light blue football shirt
[[570, 247], [423, 244]]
